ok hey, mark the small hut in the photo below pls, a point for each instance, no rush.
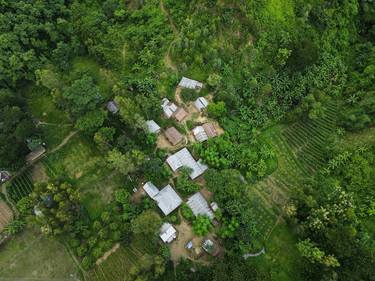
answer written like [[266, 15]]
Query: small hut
[[188, 83], [180, 114], [201, 103], [152, 127], [167, 233], [112, 107], [173, 136]]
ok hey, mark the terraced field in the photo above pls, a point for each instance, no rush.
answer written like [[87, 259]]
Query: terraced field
[[300, 152], [117, 266], [21, 186]]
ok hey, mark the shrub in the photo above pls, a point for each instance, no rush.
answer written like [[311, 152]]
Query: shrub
[[202, 225]]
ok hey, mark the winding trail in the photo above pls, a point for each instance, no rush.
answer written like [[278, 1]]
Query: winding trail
[[63, 143], [167, 59]]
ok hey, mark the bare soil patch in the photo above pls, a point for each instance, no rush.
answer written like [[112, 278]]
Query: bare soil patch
[[177, 247], [6, 215]]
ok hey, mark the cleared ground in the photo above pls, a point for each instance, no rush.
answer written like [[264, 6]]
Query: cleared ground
[[6, 215]]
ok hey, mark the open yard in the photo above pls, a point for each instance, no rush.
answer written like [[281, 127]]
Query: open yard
[[31, 256]]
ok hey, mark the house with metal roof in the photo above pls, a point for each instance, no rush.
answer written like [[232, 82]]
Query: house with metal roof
[[190, 84], [112, 107], [150, 189], [167, 199], [199, 205], [180, 114], [183, 158], [210, 130], [152, 127], [169, 108], [199, 134], [204, 132], [173, 136], [167, 233], [201, 103]]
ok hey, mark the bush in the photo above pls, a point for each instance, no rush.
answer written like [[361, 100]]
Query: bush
[[202, 225], [187, 213], [189, 95]]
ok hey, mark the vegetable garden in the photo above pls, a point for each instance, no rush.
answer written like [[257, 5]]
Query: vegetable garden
[[117, 265], [21, 186]]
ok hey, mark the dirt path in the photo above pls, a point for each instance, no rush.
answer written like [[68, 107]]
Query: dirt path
[[108, 253], [173, 26], [64, 142], [167, 59]]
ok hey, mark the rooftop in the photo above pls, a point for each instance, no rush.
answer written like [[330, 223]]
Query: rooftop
[[173, 136], [210, 130], [199, 205], [167, 232], [152, 127], [199, 134], [183, 158], [190, 83], [112, 107], [180, 114], [150, 189], [201, 103], [168, 107], [167, 198]]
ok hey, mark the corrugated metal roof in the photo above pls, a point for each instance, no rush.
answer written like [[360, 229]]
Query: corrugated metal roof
[[190, 83], [199, 205], [201, 103], [180, 114], [199, 134], [210, 130], [173, 136], [168, 200], [168, 107], [152, 127], [167, 232], [150, 189], [112, 107], [184, 158]]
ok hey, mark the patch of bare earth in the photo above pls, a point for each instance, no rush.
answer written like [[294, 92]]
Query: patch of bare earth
[[6, 215], [177, 247], [108, 253], [137, 196]]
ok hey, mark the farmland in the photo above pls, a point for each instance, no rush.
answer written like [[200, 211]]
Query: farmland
[[20, 187]]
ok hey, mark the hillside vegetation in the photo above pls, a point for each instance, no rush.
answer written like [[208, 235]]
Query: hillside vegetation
[[290, 91]]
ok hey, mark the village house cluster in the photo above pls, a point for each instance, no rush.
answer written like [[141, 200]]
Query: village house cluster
[[166, 198]]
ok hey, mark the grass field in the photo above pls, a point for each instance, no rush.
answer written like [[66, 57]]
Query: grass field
[[55, 123], [81, 161], [31, 256], [117, 266]]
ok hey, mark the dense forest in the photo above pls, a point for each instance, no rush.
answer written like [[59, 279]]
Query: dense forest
[[290, 82]]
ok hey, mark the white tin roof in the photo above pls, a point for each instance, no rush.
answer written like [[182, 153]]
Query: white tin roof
[[201, 103], [199, 205], [190, 83], [167, 233], [184, 158]]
